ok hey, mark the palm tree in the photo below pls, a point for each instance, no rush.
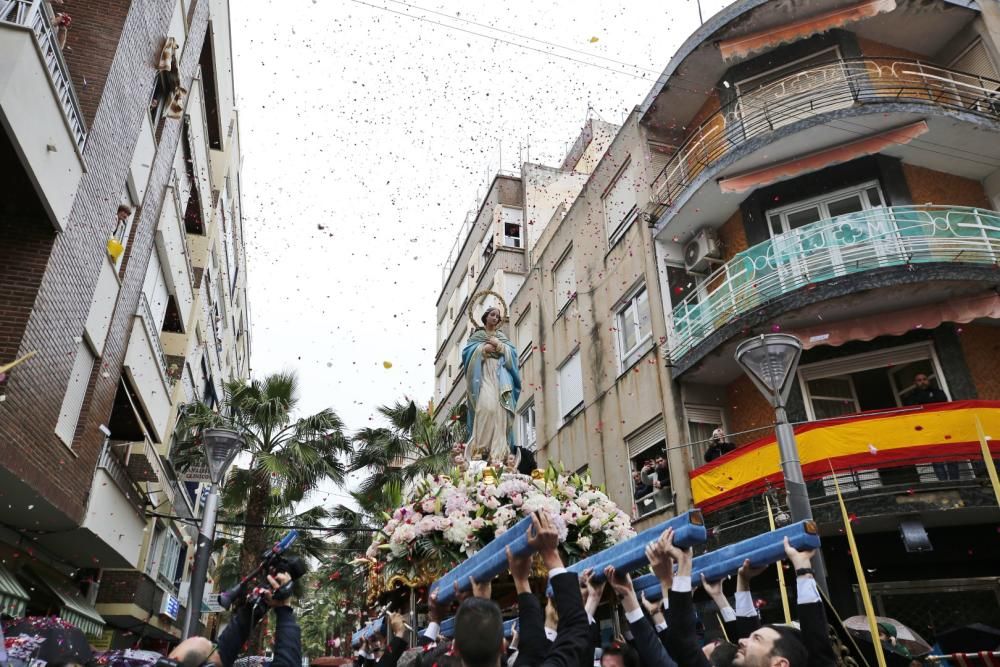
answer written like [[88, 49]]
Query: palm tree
[[410, 446], [288, 456]]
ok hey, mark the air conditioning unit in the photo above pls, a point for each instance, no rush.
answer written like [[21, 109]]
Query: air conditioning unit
[[700, 250]]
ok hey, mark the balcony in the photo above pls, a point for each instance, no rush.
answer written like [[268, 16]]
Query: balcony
[[39, 105], [879, 238], [813, 96], [147, 369], [908, 460]]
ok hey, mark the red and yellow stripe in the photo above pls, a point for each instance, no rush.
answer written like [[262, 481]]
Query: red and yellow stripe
[[906, 436]]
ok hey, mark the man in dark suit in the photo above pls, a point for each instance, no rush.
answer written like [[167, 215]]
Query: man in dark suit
[[479, 625], [923, 394]]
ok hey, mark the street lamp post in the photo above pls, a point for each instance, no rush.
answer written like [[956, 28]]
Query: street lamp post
[[221, 447], [770, 360]]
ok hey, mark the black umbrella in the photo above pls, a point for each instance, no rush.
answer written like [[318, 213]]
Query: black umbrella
[[49, 639], [970, 639]]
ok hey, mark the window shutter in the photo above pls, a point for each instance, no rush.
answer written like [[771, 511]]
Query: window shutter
[[976, 60], [570, 384], [862, 362], [646, 437], [703, 414], [620, 199], [72, 403]]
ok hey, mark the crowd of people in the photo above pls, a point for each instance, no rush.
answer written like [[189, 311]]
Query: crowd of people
[[566, 633]]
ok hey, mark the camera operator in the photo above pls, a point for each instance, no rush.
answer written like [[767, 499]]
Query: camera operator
[[287, 635]]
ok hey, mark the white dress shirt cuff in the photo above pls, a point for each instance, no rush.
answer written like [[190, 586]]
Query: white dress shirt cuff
[[591, 619], [634, 615], [681, 584], [550, 634], [744, 604], [807, 590], [728, 615], [432, 630], [660, 627], [556, 570], [666, 603]]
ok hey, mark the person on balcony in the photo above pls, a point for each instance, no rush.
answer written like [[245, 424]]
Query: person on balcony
[[923, 394], [719, 446], [641, 488]]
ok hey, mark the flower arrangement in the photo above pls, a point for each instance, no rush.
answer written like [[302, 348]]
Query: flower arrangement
[[447, 518]]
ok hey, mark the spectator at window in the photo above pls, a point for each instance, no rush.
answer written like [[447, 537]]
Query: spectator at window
[[657, 475], [641, 489], [923, 393], [719, 446]]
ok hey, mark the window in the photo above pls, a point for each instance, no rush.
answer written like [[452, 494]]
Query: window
[[701, 421], [843, 202], [76, 390], [681, 285], [123, 228], [570, 387], [526, 427], [160, 99], [442, 384], [620, 202], [634, 328], [522, 333], [169, 556], [647, 449], [877, 380], [564, 282], [510, 220]]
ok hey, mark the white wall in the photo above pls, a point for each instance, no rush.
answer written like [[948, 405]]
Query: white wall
[[544, 190], [35, 122], [124, 531]]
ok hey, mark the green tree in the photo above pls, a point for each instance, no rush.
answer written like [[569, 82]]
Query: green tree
[[284, 457]]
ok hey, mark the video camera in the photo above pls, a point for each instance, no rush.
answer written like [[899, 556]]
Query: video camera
[[251, 588]]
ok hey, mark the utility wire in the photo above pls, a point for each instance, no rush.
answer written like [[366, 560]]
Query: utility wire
[[332, 529]]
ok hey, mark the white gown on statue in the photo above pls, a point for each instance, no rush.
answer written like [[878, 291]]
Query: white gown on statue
[[489, 437]]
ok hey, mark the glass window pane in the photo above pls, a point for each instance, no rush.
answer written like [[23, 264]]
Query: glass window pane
[[832, 387], [804, 217], [626, 325], [826, 409], [642, 305], [845, 205], [682, 284], [874, 197], [775, 222]]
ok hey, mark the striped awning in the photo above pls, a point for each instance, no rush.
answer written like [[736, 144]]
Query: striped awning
[[13, 597], [76, 610]]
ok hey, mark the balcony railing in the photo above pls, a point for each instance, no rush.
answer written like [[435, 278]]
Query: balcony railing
[[153, 332], [34, 14], [815, 90], [852, 243]]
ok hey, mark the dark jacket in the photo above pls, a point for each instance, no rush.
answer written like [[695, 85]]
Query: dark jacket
[[718, 449], [924, 396], [815, 635], [391, 654], [287, 638], [648, 645], [573, 635], [682, 642], [531, 643]]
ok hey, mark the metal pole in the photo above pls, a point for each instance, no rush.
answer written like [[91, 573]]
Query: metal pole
[[795, 485], [206, 539], [413, 616]]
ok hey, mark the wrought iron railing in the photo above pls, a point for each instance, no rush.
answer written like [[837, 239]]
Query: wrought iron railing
[[815, 90], [34, 14], [153, 332], [852, 243]]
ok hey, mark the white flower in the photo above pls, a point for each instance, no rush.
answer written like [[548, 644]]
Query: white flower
[[583, 542], [459, 531]]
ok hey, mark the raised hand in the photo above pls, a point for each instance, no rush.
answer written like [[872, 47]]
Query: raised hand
[[661, 563], [799, 559], [543, 536], [481, 590], [745, 574], [520, 571]]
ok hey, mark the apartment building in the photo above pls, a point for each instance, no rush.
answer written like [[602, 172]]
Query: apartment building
[[123, 298], [493, 253], [830, 170]]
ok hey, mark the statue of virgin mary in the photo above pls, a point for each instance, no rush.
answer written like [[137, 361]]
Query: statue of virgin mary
[[494, 385]]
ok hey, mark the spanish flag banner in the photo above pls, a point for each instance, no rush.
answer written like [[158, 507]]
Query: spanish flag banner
[[902, 437]]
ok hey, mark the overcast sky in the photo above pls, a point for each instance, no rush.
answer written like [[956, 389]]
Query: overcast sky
[[368, 133]]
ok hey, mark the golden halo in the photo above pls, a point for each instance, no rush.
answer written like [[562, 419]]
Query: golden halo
[[475, 300]]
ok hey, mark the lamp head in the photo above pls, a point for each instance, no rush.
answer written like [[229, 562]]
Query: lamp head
[[221, 447], [770, 361]]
